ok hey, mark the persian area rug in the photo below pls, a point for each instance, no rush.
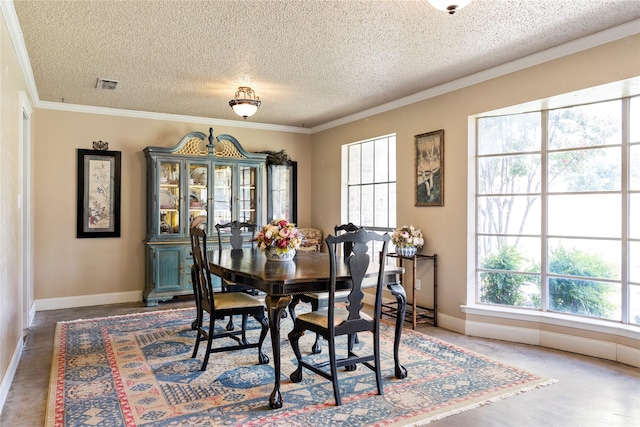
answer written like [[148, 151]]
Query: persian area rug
[[137, 370]]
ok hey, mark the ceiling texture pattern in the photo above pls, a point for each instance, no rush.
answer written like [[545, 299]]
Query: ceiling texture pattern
[[310, 62]]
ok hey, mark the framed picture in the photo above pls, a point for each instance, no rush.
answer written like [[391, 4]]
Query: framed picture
[[430, 168], [98, 210]]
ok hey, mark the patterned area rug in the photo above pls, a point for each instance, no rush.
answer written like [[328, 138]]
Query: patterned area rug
[[137, 370]]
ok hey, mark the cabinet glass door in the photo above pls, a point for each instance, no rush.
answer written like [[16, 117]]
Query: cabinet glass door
[[248, 194], [198, 191], [222, 190], [169, 197]]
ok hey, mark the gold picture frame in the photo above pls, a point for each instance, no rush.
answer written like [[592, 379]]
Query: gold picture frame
[[430, 168]]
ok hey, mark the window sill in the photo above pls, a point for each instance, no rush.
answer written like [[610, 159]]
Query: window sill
[[594, 325]]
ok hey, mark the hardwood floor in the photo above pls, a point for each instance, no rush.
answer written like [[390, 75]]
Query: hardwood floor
[[591, 392]]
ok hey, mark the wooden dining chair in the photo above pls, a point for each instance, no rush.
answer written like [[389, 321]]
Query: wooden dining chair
[[334, 321], [220, 305], [320, 299], [237, 232]]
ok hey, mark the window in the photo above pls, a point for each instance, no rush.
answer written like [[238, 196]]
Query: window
[[558, 210], [369, 183]]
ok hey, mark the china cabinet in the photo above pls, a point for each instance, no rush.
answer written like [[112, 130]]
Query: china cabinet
[[206, 182]]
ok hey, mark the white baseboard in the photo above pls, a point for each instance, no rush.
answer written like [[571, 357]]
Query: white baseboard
[[502, 332], [7, 379], [574, 344], [629, 355], [451, 323], [87, 300], [32, 313]]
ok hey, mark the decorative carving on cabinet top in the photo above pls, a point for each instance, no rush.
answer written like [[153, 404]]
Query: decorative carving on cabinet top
[[193, 147], [195, 144], [226, 148]]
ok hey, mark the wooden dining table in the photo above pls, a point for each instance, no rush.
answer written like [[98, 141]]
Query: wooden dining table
[[308, 272]]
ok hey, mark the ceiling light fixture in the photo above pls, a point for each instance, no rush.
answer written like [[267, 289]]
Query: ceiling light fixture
[[451, 6], [245, 103]]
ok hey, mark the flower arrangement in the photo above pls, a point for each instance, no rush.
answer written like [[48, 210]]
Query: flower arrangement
[[407, 236], [279, 234]]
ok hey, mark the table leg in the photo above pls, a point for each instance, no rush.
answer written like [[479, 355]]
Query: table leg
[[401, 297], [275, 307]]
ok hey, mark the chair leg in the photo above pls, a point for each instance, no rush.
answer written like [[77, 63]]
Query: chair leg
[[197, 325], [334, 371], [196, 345], [244, 329], [294, 338], [230, 325], [376, 355], [350, 341], [317, 345], [209, 342], [264, 322]]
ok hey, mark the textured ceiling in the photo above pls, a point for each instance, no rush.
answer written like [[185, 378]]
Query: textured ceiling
[[310, 61]]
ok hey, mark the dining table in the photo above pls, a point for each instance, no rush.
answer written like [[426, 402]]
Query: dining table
[[308, 272]]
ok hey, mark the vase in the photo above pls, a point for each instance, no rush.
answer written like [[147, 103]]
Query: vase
[[273, 255], [406, 251]]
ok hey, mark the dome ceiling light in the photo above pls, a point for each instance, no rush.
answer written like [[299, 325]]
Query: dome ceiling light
[[451, 6], [245, 103]]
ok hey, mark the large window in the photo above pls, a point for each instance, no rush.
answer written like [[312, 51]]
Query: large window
[[558, 210], [369, 183]]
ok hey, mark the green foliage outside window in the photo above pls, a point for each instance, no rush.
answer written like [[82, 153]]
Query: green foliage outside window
[[579, 296], [567, 295], [503, 288]]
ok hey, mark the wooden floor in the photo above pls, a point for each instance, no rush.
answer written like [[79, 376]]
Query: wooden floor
[[591, 392]]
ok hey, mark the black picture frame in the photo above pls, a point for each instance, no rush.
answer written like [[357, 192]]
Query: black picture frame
[[430, 168], [98, 193]]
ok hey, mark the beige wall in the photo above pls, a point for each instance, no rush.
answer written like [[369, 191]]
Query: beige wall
[[67, 266], [445, 228], [11, 84]]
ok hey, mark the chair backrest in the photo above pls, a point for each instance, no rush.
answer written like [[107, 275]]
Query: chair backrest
[[200, 273], [236, 229], [359, 261], [346, 228]]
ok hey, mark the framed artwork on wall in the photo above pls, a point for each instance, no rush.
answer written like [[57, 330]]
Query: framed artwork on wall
[[430, 168], [98, 194]]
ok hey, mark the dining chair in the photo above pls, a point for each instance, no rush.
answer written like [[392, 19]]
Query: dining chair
[[320, 299], [220, 305], [236, 229], [334, 321]]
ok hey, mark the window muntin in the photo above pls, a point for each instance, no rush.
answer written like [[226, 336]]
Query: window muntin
[[597, 169], [586, 125], [371, 183], [509, 134], [588, 215], [509, 174], [514, 214], [567, 191]]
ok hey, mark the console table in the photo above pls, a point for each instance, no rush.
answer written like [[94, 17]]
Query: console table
[[415, 313]]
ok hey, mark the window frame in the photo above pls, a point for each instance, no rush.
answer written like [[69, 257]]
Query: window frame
[[626, 285]]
